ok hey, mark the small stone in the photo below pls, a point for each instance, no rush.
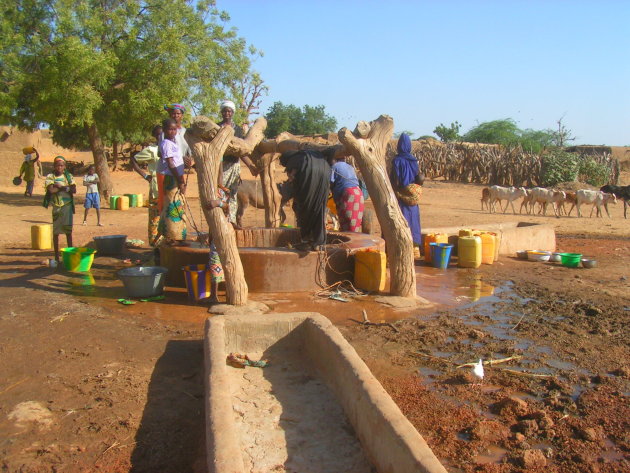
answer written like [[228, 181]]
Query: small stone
[[532, 459], [519, 437], [542, 418], [623, 372], [589, 434], [528, 427], [513, 405], [476, 334], [489, 431]]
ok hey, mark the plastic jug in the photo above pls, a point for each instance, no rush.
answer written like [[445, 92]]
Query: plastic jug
[[469, 251], [41, 237], [140, 200], [123, 203], [488, 242], [113, 201], [465, 232], [432, 238], [370, 270], [133, 200]]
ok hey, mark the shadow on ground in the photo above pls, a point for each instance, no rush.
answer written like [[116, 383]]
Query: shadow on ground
[[171, 436]]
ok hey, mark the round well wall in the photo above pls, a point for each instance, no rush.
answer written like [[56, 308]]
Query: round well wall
[[270, 266]]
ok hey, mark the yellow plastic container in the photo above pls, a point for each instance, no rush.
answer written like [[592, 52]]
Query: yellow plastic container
[[497, 245], [469, 251], [28, 150], [370, 270], [41, 237], [464, 232], [432, 238], [140, 200], [122, 203], [488, 243]]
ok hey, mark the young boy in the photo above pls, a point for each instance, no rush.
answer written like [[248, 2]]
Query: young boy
[[28, 171], [92, 197], [60, 187]]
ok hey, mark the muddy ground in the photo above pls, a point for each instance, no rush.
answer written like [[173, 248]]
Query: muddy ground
[[87, 384]]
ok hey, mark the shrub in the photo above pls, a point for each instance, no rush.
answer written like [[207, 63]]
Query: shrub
[[559, 166], [592, 172]]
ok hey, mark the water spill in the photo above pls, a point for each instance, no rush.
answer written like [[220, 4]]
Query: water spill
[[493, 454], [450, 288]]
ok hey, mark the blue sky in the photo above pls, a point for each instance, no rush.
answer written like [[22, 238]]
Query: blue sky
[[431, 62]]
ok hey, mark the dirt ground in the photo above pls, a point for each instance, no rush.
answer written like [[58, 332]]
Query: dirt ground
[[87, 384]]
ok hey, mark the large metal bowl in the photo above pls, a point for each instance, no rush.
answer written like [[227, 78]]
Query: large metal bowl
[[143, 281], [588, 263]]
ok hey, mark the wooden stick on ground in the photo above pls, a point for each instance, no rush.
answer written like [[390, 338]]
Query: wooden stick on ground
[[524, 373], [366, 322], [491, 362]]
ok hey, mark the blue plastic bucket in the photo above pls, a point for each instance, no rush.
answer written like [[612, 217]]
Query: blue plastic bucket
[[198, 281], [440, 254]]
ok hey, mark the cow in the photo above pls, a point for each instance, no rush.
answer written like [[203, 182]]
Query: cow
[[544, 197], [597, 198], [621, 192], [250, 193], [498, 193]]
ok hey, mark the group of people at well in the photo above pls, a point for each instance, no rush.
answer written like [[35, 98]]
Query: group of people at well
[[315, 179]]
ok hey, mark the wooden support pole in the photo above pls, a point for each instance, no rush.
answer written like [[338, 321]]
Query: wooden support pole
[[368, 145], [271, 194]]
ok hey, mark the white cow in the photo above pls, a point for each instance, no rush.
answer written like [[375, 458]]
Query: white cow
[[498, 193], [544, 197], [597, 198]]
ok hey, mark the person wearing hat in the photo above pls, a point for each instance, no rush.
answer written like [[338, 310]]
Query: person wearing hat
[[231, 175], [60, 187], [28, 171]]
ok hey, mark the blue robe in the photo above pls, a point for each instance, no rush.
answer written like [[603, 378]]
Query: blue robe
[[404, 172]]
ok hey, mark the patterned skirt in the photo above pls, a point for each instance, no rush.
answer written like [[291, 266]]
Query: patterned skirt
[[172, 225], [62, 219], [350, 208]]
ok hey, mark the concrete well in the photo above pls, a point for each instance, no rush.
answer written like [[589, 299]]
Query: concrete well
[[264, 419], [270, 266], [514, 236]]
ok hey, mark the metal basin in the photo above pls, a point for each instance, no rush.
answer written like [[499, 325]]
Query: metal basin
[[110, 244], [143, 281]]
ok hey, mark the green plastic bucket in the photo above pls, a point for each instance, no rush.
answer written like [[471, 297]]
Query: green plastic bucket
[[77, 259], [570, 260], [113, 200], [133, 200]]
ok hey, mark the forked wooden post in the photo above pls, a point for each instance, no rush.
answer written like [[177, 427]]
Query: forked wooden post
[[208, 142], [271, 194], [368, 144]]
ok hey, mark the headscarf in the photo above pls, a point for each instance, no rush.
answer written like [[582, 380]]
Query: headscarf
[[405, 164], [228, 104], [59, 158], [68, 176], [175, 106]]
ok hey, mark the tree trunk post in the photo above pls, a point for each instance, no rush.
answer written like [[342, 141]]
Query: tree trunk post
[[368, 145], [208, 143], [271, 194], [105, 185]]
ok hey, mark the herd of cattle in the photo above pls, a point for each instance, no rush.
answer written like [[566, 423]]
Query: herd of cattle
[[490, 196]]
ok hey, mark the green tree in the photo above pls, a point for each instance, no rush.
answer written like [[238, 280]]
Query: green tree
[[503, 132], [448, 133], [406, 132], [105, 68], [308, 120]]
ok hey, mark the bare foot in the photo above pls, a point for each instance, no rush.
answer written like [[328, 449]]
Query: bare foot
[[100, 224]]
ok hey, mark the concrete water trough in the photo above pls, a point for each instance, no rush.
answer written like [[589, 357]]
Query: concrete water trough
[[316, 407], [270, 266], [514, 236]]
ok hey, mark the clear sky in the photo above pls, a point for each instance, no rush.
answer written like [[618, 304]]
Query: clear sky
[[431, 62]]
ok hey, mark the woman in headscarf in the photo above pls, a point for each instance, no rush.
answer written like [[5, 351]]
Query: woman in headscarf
[[309, 172], [405, 172], [347, 194], [231, 176], [60, 187]]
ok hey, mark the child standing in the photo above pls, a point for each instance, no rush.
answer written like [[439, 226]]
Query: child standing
[[92, 197], [28, 171], [60, 187]]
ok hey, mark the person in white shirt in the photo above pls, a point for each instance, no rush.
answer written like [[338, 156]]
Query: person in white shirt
[[92, 197]]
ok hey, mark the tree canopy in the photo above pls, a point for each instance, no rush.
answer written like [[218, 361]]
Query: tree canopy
[[448, 133], [307, 120], [505, 132], [105, 68]]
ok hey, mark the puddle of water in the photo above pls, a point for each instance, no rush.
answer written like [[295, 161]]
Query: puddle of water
[[428, 374], [612, 453], [493, 454], [450, 287]]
